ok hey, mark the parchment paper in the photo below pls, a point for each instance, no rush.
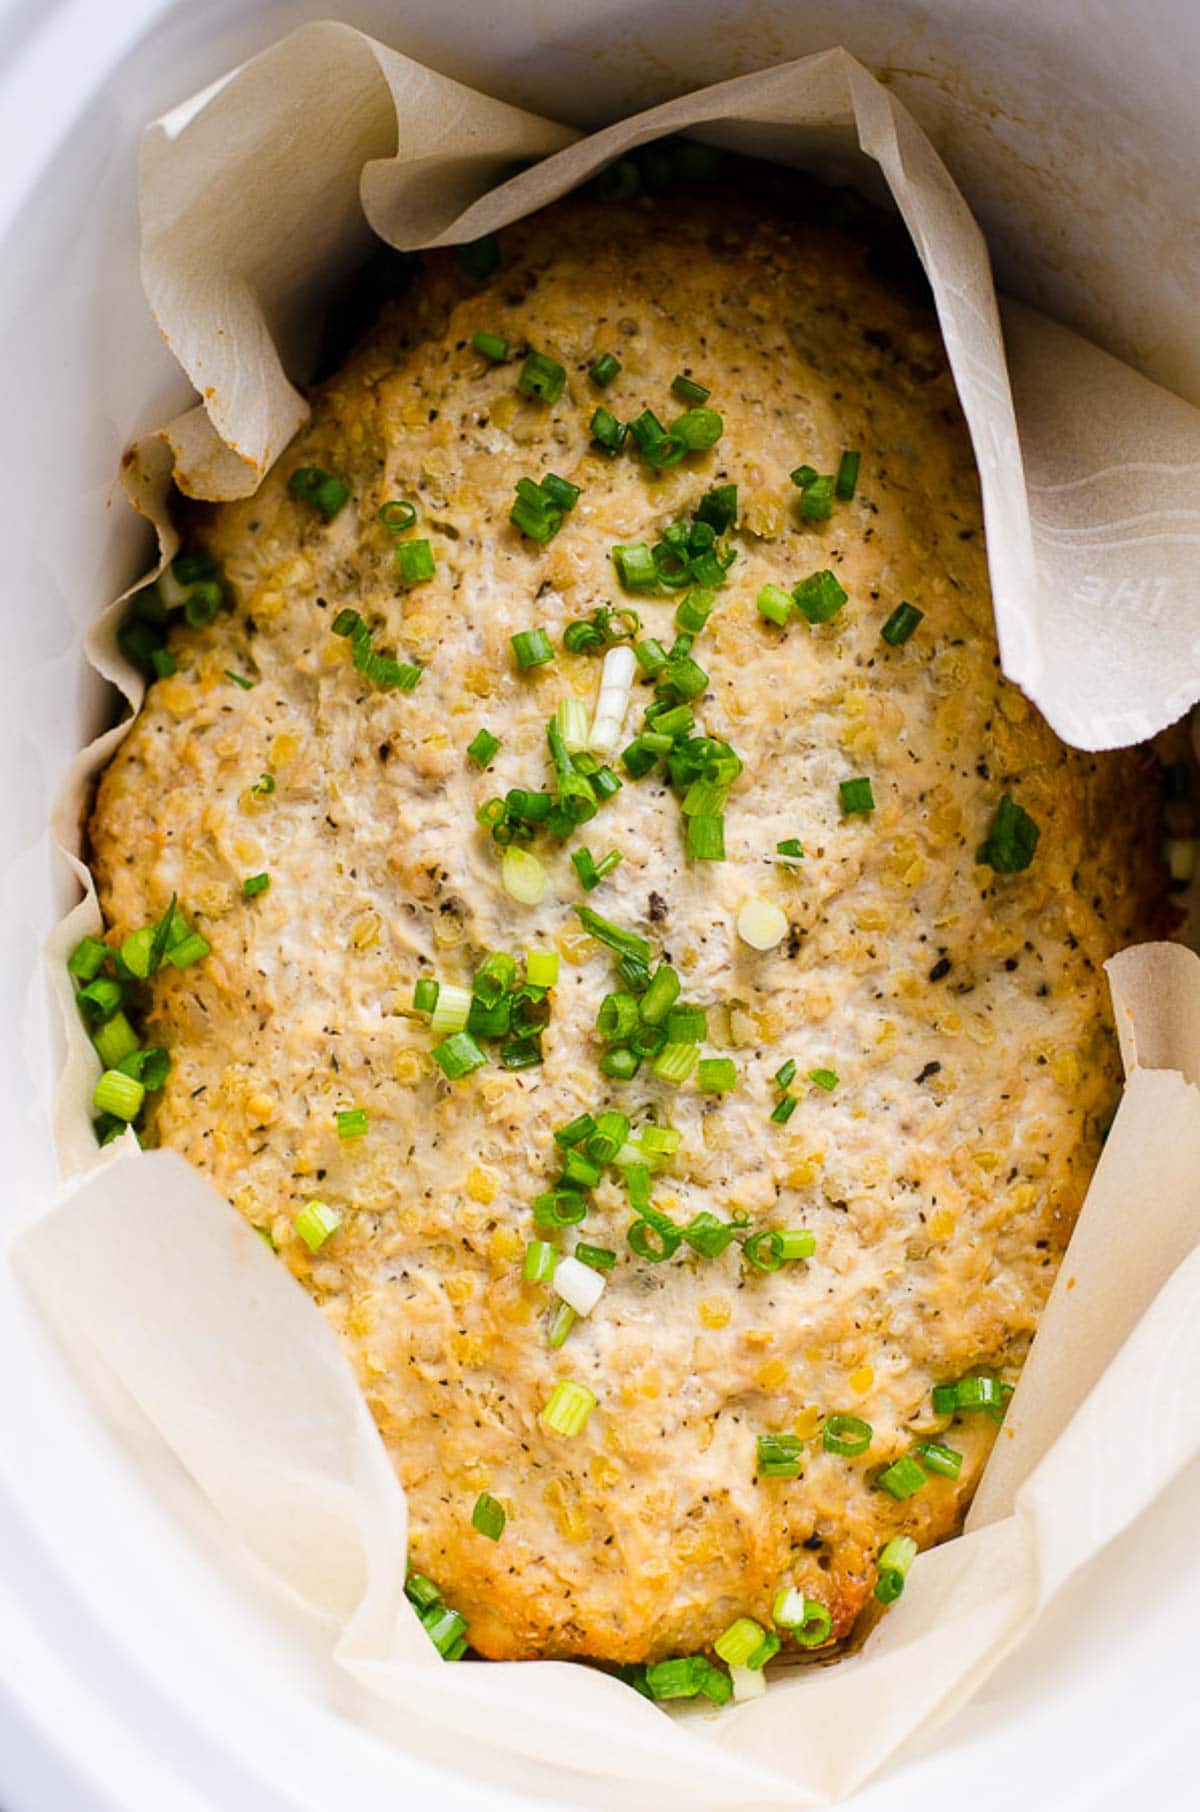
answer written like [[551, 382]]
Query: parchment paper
[[251, 210]]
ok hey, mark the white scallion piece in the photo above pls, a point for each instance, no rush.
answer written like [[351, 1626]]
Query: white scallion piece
[[572, 720], [616, 684], [523, 877], [788, 1610], [762, 924], [577, 1284], [748, 1683]]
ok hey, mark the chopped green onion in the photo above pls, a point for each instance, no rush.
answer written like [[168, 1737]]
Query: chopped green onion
[[414, 562], [935, 1457], [239, 679], [688, 391], [856, 795], [483, 748], [693, 613], [816, 499], [675, 1062], [719, 508], [396, 514], [605, 1139], [559, 1208], [114, 1041], [893, 1566], [902, 1478], [571, 717], [100, 999], [479, 258], [447, 1630], [686, 676], [900, 624], [325, 492], [421, 1591], [654, 1240], [607, 431], [698, 429], [617, 1017], [352, 1123], [254, 885], [983, 1392], [488, 1516], [568, 1408], [315, 1223], [775, 604], [660, 1139], [707, 1235], [635, 566], [819, 597], [523, 876], [826, 1079], [540, 1260], [846, 1435], [451, 1008], [574, 1130], [783, 1110], [785, 1075], [764, 1249], [796, 1243], [660, 996], [137, 952], [620, 1063], [189, 949], [494, 977], [599, 1257], [1011, 840], [815, 1625], [541, 968], [706, 838], [791, 849], [847, 476], [717, 1074], [204, 600], [742, 1639], [457, 1055], [687, 1025], [604, 369], [492, 346], [542, 377], [531, 647], [425, 996], [562, 1320], [779, 1456], [578, 1171], [804, 475], [625, 943], [88, 958]]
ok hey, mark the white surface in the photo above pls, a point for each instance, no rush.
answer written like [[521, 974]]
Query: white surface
[[116, 1692]]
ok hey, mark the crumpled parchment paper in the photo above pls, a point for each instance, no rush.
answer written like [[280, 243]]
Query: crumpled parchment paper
[[256, 196]]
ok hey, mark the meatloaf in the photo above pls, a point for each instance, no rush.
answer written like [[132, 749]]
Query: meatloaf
[[917, 1068]]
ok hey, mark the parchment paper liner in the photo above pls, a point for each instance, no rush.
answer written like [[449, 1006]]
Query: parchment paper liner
[[147, 1272]]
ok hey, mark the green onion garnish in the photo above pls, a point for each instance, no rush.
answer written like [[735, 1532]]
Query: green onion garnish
[[620, 1063], [983, 1392], [719, 508], [654, 1239], [315, 1223], [625, 943], [591, 872], [321, 489], [894, 1563], [847, 476], [764, 1250], [936, 1457], [540, 1260], [856, 795], [775, 605], [847, 1435], [604, 369], [254, 885], [100, 999], [532, 648], [190, 949], [352, 1123], [414, 562], [578, 1171], [541, 968], [675, 1062], [239, 679], [660, 996], [114, 1041], [688, 391], [542, 377], [826, 1079], [635, 567], [574, 1130], [687, 1025], [707, 1235], [450, 1009], [568, 1408], [458, 1055], [783, 1110], [605, 1139], [425, 995], [706, 838], [397, 514], [902, 1478], [488, 1516], [791, 849], [816, 497], [900, 624], [803, 475], [617, 1017], [741, 1640], [697, 429], [779, 1456], [492, 346], [717, 1074], [607, 431], [1011, 840], [479, 258], [559, 1208], [600, 1258], [88, 958], [150, 1066], [562, 1320], [483, 748], [819, 597]]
